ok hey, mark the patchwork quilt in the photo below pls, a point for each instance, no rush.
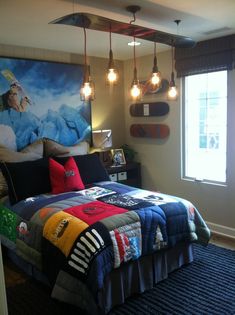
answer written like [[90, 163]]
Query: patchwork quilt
[[88, 233]]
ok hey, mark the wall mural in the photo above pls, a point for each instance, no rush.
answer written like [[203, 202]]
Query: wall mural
[[41, 99]]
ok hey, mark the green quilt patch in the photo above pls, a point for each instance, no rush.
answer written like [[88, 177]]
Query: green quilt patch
[[8, 223]]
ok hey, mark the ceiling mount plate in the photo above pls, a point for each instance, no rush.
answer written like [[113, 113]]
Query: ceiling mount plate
[[100, 23], [133, 8]]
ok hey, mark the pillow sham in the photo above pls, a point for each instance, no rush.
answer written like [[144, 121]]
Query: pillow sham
[[32, 152], [26, 179], [35, 147], [90, 167], [64, 177], [7, 137], [53, 148]]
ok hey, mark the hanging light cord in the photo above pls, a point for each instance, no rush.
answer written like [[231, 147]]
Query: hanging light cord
[[155, 58], [110, 38], [133, 21], [134, 54], [135, 69], [85, 61]]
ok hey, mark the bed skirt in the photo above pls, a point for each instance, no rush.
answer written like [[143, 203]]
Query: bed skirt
[[132, 278]]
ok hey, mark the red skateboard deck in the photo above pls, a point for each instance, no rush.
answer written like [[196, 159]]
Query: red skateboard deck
[[158, 131], [149, 109], [100, 23]]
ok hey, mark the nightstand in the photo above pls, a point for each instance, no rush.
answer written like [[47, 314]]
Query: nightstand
[[128, 174]]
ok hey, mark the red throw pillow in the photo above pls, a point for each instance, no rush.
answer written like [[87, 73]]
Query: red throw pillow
[[65, 177]]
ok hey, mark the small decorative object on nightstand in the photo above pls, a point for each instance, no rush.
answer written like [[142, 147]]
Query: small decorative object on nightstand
[[118, 157], [128, 174], [102, 141]]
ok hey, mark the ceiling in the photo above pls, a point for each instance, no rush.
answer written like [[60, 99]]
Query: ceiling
[[26, 23]]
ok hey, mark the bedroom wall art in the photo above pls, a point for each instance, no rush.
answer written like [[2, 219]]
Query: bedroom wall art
[[41, 99]]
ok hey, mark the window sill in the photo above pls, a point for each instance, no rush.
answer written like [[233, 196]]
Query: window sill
[[204, 181]]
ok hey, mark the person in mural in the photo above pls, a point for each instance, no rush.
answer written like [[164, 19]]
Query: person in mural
[[12, 99]]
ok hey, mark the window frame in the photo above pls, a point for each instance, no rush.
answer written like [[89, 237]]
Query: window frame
[[183, 138]]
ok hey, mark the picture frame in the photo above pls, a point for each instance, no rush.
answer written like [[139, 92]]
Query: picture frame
[[44, 99], [118, 157]]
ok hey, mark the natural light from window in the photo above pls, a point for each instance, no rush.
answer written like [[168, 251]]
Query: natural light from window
[[205, 127]]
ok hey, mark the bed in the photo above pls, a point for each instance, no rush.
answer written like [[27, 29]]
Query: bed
[[94, 241]]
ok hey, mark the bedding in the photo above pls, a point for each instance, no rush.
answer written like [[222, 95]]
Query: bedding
[[83, 236]]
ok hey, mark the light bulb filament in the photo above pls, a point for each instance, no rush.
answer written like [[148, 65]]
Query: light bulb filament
[[112, 76], [135, 90], [155, 79], [172, 92]]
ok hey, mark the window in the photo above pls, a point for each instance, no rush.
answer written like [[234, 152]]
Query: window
[[205, 126]]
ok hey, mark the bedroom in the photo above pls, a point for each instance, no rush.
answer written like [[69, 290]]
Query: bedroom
[[160, 163]]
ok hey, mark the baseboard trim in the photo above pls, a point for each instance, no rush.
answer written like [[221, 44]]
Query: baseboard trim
[[221, 230]]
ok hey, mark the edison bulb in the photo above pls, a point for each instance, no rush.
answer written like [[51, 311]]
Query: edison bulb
[[135, 91], [172, 92], [86, 90], [155, 79], [112, 75]]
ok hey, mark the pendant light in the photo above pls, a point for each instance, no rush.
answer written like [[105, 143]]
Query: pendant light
[[172, 91], [87, 92], [112, 75], [155, 79], [136, 91]]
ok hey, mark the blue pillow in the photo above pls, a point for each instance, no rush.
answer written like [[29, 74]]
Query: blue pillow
[[26, 179]]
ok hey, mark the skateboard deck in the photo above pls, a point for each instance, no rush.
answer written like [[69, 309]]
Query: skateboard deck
[[158, 131], [149, 109], [100, 23]]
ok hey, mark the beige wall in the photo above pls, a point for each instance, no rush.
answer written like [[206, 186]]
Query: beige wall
[[161, 160], [107, 108]]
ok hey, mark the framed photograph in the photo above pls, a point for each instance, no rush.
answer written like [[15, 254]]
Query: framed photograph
[[41, 99], [118, 157]]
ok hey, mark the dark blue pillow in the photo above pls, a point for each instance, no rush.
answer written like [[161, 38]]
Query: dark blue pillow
[[26, 179]]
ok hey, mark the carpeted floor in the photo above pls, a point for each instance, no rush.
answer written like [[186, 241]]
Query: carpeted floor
[[205, 287]]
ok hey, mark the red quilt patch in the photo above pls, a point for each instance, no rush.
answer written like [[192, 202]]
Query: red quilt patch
[[94, 211]]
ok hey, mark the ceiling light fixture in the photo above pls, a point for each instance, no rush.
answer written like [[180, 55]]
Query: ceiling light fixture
[[99, 23], [136, 90], [112, 74], [87, 92], [134, 43], [172, 91], [155, 79]]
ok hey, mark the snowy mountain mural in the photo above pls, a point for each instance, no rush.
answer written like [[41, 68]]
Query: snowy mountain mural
[[41, 99]]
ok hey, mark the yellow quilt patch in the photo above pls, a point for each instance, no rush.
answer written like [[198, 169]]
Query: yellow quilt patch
[[62, 229]]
